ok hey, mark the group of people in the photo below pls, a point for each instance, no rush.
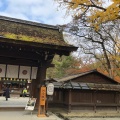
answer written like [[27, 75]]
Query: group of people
[[7, 93]]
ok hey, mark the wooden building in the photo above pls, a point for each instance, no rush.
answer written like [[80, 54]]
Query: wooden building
[[90, 90], [26, 51]]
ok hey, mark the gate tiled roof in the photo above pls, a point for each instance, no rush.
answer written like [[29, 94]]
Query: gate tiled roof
[[31, 32]]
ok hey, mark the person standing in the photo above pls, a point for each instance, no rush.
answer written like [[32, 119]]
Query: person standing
[[7, 93]]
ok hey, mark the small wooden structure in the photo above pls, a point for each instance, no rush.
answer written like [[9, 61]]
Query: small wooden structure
[[91, 90], [25, 44]]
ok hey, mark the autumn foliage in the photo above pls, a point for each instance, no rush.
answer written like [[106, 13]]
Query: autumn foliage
[[97, 11], [96, 26]]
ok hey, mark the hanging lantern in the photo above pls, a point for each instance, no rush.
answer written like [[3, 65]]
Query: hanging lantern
[[50, 88]]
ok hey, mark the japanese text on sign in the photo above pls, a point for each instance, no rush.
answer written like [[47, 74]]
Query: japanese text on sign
[[42, 95]]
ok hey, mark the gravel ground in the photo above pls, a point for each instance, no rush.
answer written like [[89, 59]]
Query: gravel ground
[[78, 115], [25, 115], [88, 115], [100, 118]]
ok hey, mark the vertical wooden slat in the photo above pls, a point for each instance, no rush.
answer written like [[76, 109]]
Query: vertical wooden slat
[[94, 100], [116, 100], [69, 101]]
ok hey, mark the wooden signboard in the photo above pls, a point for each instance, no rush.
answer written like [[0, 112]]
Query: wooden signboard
[[42, 95], [41, 109]]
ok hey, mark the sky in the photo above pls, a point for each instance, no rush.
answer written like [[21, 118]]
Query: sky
[[41, 11]]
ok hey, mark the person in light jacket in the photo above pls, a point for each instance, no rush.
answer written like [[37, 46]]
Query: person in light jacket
[[24, 92]]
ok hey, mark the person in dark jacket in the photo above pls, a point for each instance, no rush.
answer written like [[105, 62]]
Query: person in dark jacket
[[7, 93]]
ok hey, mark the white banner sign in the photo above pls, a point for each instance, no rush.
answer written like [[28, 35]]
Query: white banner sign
[[34, 72], [2, 70], [25, 72], [12, 71]]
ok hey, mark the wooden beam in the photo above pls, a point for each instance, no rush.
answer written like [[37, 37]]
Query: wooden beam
[[19, 54], [15, 61], [58, 49]]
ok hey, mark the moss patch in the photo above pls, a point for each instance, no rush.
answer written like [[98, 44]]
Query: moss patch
[[31, 33]]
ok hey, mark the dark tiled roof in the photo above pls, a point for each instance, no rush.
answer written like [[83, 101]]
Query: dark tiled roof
[[31, 32], [71, 77], [28, 22], [86, 86]]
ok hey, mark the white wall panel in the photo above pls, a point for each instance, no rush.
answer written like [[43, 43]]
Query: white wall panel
[[34, 72], [12, 71], [2, 70]]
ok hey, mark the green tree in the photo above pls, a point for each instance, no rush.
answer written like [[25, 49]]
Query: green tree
[[62, 65]]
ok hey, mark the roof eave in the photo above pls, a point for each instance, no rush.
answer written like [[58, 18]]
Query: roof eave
[[28, 22], [66, 49]]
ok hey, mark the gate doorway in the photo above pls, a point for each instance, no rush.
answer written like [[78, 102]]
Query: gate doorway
[[30, 45]]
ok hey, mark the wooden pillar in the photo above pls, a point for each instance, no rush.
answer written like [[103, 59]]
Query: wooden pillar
[[0, 85], [69, 101], [41, 75], [46, 105]]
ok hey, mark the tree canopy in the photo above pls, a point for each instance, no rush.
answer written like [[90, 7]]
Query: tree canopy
[[95, 29], [62, 64], [102, 45], [97, 11]]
